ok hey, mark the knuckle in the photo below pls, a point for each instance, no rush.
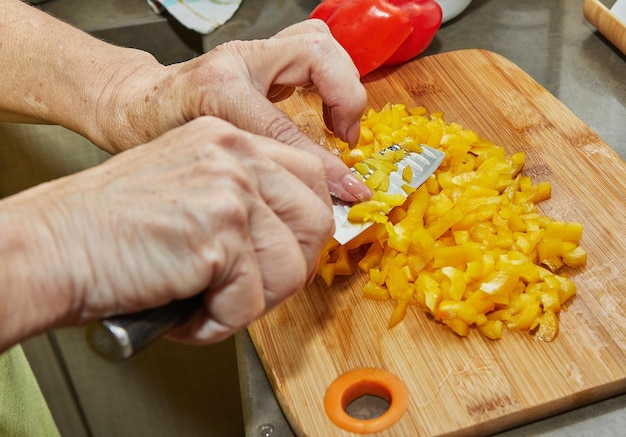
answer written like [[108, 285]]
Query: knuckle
[[318, 25], [322, 44], [324, 224], [205, 132], [328, 221], [283, 129], [230, 47], [235, 211], [317, 167], [297, 269]]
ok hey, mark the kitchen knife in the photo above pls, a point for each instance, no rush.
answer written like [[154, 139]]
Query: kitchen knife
[[119, 338], [422, 165]]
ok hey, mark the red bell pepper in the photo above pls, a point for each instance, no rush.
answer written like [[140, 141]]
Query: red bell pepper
[[425, 16], [380, 32]]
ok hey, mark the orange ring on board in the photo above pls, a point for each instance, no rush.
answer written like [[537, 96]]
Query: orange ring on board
[[366, 381]]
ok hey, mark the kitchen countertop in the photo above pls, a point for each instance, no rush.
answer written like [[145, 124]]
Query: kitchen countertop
[[550, 40], [554, 44]]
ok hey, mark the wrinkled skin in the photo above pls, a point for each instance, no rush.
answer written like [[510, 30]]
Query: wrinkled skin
[[233, 81], [119, 97], [212, 189], [202, 208]]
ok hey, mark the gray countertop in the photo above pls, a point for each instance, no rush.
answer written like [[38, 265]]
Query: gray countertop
[[552, 42]]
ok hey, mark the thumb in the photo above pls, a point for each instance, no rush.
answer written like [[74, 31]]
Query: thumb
[[342, 183]]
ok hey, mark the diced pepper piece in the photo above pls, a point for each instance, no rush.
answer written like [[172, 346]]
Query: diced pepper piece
[[371, 258], [469, 246], [492, 329], [524, 311], [454, 288], [370, 210], [371, 290], [378, 180], [430, 290], [450, 309], [445, 222], [407, 174], [458, 326], [576, 257], [548, 326], [343, 264], [398, 313], [327, 272]]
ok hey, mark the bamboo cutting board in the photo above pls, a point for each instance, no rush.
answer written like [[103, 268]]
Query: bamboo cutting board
[[469, 385]]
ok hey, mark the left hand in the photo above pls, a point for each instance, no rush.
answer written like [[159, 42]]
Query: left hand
[[232, 82], [119, 97]]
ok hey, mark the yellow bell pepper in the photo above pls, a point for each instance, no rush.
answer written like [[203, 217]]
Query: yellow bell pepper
[[469, 246]]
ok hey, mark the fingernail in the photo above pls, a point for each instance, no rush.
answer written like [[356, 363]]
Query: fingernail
[[328, 117], [356, 187], [354, 134]]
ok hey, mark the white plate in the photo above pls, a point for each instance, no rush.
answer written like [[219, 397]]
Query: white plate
[[452, 8]]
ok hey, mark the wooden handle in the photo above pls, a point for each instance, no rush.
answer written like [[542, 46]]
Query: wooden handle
[[119, 338], [606, 22]]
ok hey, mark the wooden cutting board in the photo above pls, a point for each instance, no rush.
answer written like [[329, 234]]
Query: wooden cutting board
[[469, 385]]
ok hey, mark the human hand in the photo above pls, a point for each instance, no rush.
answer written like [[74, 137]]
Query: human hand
[[234, 81], [120, 97], [204, 208]]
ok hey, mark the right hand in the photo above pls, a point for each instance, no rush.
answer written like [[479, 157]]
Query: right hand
[[206, 208]]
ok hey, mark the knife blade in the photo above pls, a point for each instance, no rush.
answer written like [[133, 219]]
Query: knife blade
[[423, 165], [119, 338]]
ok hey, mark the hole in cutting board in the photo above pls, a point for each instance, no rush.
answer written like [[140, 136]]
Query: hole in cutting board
[[367, 407], [366, 400]]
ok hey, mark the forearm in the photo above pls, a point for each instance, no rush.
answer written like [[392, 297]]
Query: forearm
[[32, 276], [64, 76]]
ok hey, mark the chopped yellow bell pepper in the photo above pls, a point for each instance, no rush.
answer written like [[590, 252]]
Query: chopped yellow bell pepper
[[373, 290], [470, 245], [370, 210]]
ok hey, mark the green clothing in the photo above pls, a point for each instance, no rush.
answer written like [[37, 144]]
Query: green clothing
[[23, 409], [29, 155]]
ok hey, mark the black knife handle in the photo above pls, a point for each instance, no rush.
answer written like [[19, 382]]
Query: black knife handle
[[119, 338]]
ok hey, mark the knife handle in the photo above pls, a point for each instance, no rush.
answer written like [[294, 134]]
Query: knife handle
[[120, 337]]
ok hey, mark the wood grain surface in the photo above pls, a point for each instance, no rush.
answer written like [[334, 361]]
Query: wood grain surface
[[469, 385], [607, 23]]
